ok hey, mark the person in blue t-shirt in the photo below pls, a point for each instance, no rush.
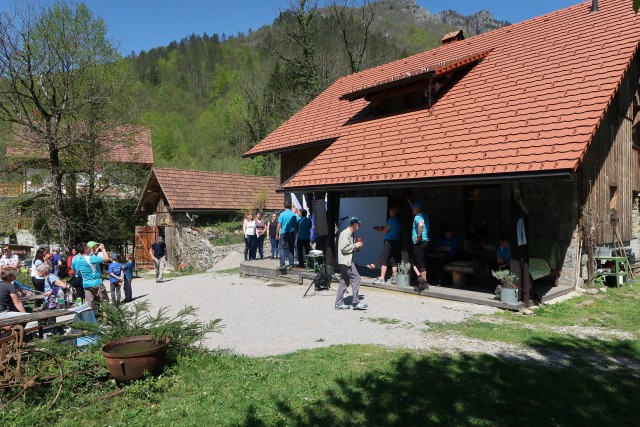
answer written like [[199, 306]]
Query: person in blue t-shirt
[[304, 236], [392, 250], [420, 239], [158, 252], [128, 277], [116, 279], [286, 234], [445, 252], [503, 253], [88, 265]]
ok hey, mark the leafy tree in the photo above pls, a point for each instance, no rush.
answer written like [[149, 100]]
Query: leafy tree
[[60, 88]]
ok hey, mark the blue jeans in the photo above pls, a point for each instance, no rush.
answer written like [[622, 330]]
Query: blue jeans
[[286, 245], [274, 247]]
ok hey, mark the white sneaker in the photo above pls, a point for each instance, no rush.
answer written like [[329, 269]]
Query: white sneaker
[[379, 280], [360, 306]]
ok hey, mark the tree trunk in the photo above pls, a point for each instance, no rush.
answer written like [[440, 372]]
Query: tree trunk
[[56, 178]]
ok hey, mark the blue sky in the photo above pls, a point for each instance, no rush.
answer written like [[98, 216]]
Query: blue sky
[[143, 24]]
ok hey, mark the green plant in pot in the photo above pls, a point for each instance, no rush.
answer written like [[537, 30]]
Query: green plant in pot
[[138, 341], [507, 290], [402, 279]]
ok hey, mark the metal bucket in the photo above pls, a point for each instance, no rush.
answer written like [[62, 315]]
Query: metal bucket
[[129, 358], [509, 295], [402, 280]]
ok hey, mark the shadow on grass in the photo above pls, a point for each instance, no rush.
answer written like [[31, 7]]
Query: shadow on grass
[[467, 390]]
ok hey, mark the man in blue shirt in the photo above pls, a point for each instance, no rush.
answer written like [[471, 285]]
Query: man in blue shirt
[[420, 239], [158, 253], [286, 234], [88, 264], [304, 236]]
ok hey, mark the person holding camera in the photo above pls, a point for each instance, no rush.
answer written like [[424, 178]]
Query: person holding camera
[[348, 271], [88, 265]]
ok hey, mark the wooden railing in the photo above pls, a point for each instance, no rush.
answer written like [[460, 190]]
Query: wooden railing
[[10, 189]]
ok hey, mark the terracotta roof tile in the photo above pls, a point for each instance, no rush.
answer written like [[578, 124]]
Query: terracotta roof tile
[[199, 190], [124, 144], [532, 104]]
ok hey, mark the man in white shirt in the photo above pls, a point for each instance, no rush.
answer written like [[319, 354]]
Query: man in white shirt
[[8, 259]]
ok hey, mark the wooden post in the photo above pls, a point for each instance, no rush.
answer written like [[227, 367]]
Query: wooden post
[[333, 209], [406, 225], [520, 253]]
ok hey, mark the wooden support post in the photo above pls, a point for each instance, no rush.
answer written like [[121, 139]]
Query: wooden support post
[[406, 225], [333, 209]]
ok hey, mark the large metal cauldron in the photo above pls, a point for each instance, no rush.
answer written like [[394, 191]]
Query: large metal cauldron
[[129, 358]]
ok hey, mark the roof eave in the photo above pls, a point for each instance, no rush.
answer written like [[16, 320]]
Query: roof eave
[[465, 179]]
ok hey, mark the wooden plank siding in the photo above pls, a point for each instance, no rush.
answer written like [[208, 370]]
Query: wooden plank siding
[[611, 161], [292, 161]]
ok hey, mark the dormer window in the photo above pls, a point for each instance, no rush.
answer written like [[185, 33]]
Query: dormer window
[[418, 88]]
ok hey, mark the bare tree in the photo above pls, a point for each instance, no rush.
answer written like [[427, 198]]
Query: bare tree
[[354, 23], [297, 23], [58, 74]]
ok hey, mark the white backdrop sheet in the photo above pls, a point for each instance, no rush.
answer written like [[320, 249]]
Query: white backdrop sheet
[[372, 211]]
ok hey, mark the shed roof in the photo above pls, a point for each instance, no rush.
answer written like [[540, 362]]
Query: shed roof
[[532, 105], [187, 190]]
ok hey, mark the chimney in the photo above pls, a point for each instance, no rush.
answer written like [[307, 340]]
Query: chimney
[[452, 37], [594, 6]]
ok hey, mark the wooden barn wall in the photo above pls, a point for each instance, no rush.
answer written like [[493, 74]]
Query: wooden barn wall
[[292, 161], [611, 161]]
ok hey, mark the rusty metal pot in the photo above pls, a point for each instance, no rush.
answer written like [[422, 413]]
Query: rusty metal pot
[[129, 358]]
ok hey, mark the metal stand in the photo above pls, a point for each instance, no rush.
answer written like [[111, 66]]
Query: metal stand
[[323, 279]]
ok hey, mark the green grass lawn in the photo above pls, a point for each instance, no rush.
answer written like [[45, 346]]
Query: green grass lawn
[[570, 325], [360, 386], [376, 386]]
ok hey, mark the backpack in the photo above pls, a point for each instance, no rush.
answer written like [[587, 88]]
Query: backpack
[[52, 303]]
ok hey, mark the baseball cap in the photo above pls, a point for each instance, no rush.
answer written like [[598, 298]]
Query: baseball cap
[[160, 239], [417, 204], [91, 244], [354, 220]]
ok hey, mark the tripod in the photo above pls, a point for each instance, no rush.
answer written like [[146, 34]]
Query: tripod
[[323, 279]]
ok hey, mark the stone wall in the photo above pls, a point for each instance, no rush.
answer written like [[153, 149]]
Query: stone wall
[[191, 247], [553, 214], [195, 248]]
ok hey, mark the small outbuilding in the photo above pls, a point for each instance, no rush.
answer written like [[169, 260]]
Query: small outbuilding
[[179, 199]]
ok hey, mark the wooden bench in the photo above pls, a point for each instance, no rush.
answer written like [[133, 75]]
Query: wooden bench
[[461, 270]]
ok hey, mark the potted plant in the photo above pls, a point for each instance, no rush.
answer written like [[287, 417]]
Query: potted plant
[[137, 341], [402, 278], [507, 290]]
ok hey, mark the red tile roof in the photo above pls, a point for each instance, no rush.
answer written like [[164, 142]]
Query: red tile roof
[[531, 105], [199, 190], [123, 144]]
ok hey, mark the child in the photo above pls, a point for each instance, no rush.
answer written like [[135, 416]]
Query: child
[[116, 277], [128, 277]]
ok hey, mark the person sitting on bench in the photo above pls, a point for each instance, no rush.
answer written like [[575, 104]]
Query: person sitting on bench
[[503, 253]]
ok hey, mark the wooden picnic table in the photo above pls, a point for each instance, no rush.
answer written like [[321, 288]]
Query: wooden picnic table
[[34, 317], [31, 298]]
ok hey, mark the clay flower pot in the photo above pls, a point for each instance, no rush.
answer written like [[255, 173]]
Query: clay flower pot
[[129, 358]]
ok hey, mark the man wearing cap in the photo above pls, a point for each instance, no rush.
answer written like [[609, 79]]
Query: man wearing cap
[[348, 272], [158, 252], [88, 264], [420, 239], [8, 259]]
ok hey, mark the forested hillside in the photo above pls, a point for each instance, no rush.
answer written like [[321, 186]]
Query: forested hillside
[[209, 98]]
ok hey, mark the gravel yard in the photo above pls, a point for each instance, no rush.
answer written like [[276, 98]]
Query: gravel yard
[[265, 318]]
